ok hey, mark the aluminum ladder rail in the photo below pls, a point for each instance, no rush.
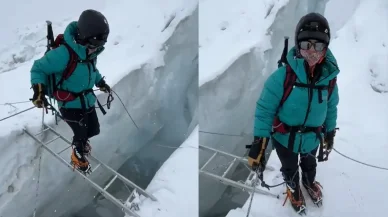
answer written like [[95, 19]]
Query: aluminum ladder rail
[[102, 191], [227, 181]]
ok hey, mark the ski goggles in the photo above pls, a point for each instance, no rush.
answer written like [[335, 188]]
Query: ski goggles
[[96, 41], [306, 45]]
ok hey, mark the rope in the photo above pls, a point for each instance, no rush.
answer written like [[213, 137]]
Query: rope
[[357, 161], [17, 113], [343, 155], [223, 134], [12, 103], [125, 108]]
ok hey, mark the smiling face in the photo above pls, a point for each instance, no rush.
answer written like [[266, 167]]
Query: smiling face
[[313, 51]]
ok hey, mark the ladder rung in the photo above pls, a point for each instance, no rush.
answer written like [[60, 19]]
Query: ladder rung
[[229, 167], [64, 149], [242, 159], [93, 184], [125, 180], [110, 182], [241, 186], [44, 130], [98, 165], [130, 195], [52, 140], [119, 176], [208, 161]]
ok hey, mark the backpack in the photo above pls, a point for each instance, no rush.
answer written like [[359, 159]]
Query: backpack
[[70, 67]]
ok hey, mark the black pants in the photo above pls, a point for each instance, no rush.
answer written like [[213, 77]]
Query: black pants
[[290, 164], [83, 128]]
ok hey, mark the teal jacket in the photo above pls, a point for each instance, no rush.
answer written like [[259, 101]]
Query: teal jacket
[[54, 62], [293, 111]]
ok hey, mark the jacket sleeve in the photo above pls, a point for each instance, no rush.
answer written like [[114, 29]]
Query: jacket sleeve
[[331, 117], [98, 77], [98, 74], [268, 103], [54, 61]]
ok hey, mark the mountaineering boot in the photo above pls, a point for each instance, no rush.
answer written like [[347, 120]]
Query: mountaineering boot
[[87, 148], [313, 187], [78, 160], [84, 146], [294, 192], [295, 195]]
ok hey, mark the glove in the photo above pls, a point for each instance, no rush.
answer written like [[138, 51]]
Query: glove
[[103, 86], [38, 99], [256, 156], [328, 143]]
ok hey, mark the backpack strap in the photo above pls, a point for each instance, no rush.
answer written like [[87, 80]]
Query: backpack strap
[[71, 65], [288, 84], [331, 87]]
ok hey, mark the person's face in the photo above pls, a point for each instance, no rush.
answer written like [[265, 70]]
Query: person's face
[[312, 51]]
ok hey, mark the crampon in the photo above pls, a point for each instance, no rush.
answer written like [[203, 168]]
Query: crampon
[[80, 163], [315, 192], [298, 205]]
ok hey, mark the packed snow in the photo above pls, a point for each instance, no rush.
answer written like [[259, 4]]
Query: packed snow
[[174, 185], [136, 39], [360, 46]]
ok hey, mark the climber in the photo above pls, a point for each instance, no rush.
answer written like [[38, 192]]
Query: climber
[[307, 119], [84, 40]]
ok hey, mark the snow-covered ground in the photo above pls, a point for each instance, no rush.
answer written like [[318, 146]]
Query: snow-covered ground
[[175, 184], [139, 30], [360, 46]]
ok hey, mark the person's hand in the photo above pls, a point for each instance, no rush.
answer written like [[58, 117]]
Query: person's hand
[[328, 143], [39, 99], [256, 156], [103, 86]]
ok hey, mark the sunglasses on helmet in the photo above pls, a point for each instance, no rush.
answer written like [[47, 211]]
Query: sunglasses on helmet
[[306, 45]]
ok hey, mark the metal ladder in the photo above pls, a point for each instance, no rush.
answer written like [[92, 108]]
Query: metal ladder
[[102, 191], [229, 182]]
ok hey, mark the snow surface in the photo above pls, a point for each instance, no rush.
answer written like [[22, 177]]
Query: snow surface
[[175, 184], [136, 39], [238, 27], [360, 46]]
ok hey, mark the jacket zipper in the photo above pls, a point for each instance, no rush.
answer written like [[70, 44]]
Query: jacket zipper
[[310, 99]]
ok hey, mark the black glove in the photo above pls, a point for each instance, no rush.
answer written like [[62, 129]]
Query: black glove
[[103, 86], [38, 99], [328, 143], [256, 156]]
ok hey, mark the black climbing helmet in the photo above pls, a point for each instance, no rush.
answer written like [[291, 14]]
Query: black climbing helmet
[[312, 26], [93, 28]]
